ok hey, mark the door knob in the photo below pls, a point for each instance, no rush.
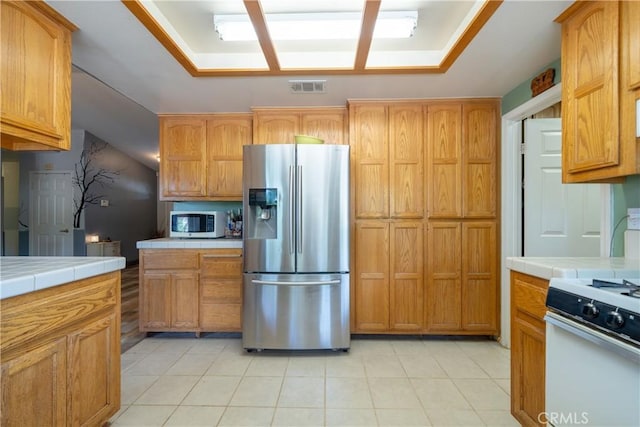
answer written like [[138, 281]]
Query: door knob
[[64, 230]]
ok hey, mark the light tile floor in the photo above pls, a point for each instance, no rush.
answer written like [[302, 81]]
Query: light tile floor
[[170, 380]]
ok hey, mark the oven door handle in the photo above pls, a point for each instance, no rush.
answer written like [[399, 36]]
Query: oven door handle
[[621, 348]]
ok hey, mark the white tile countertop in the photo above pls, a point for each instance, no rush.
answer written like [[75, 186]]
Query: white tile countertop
[[175, 243], [575, 267], [23, 274]]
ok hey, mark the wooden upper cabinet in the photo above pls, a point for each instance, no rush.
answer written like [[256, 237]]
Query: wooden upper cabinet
[[281, 125], [370, 151], [330, 125], [275, 127], [479, 185], [387, 142], [444, 148], [226, 135], [462, 147], [35, 77], [182, 157], [631, 40], [600, 76], [406, 168], [201, 156]]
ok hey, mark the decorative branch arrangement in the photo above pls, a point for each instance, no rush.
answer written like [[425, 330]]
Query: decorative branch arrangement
[[86, 176]]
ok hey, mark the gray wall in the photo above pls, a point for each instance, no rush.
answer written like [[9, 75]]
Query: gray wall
[[132, 211]]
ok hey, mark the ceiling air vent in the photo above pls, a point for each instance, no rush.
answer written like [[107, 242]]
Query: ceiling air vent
[[307, 86]]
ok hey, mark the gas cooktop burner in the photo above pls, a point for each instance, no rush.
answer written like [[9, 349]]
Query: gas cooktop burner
[[632, 289]]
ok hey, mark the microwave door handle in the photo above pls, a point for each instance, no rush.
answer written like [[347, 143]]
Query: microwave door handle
[[291, 210]]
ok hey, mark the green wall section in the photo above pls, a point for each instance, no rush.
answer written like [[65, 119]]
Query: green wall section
[[522, 93], [625, 196]]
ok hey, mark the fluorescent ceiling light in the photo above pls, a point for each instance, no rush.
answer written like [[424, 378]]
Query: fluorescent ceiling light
[[316, 26]]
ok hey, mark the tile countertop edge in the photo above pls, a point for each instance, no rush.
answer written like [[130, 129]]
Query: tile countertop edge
[[574, 267], [21, 275], [173, 243]]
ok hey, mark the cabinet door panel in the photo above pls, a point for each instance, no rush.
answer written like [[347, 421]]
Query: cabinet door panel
[[528, 370], [184, 300], [370, 148], [632, 13], [444, 287], [35, 77], [590, 88], [275, 128], [479, 290], [225, 138], [93, 349], [372, 276], [444, 177], [182, 156], [33, 387], [328, 126], [155, 301], [407, 287], [480, 148], [406, 141]]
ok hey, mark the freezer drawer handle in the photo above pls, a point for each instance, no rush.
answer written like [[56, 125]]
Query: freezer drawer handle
[[269, 282]]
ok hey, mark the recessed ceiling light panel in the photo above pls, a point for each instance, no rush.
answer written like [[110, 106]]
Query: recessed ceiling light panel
[[316, 26]]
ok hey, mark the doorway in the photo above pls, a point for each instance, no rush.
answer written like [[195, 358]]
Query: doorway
[[559, 219], [511, 196], [50, 213]]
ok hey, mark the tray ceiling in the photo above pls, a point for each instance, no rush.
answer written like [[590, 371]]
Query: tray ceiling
[[186, 30]]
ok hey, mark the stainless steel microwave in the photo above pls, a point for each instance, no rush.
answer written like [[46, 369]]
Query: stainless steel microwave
[[197, 224]]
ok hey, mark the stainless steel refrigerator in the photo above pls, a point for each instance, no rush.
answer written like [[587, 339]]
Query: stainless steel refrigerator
[[296, 247]]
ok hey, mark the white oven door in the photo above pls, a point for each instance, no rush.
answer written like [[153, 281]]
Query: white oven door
[[592, 379]]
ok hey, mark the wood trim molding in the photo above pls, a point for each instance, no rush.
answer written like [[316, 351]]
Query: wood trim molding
[[487, 11], [256, 14], [254, 9], [369, 16]]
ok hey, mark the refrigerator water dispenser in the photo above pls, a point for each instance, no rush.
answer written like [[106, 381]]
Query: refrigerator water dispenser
[[261, 222]]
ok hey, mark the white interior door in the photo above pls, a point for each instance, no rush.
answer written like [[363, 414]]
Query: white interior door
[[50, 214], [559, 219]]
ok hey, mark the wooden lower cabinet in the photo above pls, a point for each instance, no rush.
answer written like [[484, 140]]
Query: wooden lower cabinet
[[60, 353], [528, 296], [190, 290], [221, 291], [462, 286], [389, 279]]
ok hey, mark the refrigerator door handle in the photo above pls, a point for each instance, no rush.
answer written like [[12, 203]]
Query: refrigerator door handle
[[299, 203], [292, 209], [274, 282]]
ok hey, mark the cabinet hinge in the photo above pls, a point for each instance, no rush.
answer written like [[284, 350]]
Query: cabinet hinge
[[522, 148]]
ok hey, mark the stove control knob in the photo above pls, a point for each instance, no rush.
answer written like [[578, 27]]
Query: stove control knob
[[590, 311], [614, 320]]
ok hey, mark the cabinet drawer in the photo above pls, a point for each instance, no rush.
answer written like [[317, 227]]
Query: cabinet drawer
[[529, 295], [221, 266], [163, 259], [221, 291], [221, 317]]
